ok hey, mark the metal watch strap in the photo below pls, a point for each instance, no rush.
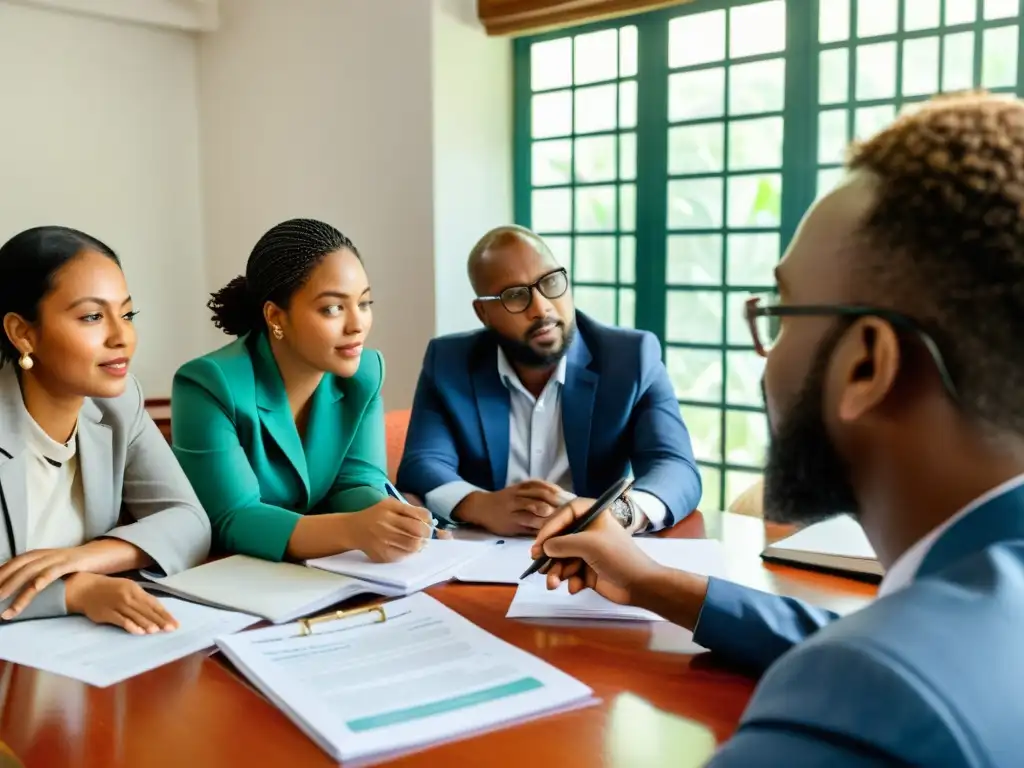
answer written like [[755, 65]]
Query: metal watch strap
[[623, 511]]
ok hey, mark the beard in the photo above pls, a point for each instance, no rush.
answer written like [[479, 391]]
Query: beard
[[522, 352], [805, 478]]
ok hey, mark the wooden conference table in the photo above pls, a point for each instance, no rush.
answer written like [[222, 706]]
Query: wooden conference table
[[657, 697]]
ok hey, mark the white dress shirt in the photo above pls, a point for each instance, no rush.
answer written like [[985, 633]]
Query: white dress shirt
[[56, 504], [536, 447], [902, 572]]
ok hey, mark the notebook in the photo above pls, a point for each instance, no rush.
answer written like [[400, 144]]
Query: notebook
[[387, 679], [438, 561], [838, 544], [277, 592]]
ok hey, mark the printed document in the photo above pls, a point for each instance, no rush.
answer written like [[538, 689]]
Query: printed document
[[361, 687], [101, 655]]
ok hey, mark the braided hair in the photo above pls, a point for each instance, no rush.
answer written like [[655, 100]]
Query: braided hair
[[279, 265]]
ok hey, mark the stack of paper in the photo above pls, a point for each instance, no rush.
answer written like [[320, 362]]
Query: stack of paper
[[838, 544], [534, 600], [439, 560], [101, 655], [277, 592], [361, 687]]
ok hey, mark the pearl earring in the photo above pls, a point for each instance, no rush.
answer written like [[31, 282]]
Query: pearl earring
[[26, 362], [278, 333]]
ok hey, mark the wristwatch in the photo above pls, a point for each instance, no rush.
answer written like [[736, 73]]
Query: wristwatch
[[622, 510]]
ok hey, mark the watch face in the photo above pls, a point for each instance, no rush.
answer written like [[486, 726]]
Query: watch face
[[622, 512]]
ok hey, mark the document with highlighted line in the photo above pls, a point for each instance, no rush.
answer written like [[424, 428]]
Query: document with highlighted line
[[403, 675]]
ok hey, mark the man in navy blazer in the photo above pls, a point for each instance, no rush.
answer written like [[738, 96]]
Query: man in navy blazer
[[894, 389], [542, 404]]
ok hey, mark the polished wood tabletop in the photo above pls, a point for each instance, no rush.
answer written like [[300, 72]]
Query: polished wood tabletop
[[658, 694]]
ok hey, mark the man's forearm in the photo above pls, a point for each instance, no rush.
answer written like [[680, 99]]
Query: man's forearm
[[674, 595]]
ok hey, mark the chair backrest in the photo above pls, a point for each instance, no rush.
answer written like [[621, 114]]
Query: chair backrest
[[751, 501], [396, 426]]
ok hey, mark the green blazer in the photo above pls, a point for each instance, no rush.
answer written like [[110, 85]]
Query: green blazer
[[233, 432]]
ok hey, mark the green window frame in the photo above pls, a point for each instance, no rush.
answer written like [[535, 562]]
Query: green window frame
[[668, 157]]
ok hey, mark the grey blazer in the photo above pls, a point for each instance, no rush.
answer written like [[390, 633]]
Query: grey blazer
[[123, 460]]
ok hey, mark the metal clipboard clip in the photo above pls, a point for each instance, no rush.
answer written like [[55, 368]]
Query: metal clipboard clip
[[306, 625]]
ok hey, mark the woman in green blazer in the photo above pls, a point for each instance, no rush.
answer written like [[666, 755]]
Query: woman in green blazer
[[281, 432]]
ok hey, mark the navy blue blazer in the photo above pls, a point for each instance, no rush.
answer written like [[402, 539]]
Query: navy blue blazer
[[619, 414], [929, 675]]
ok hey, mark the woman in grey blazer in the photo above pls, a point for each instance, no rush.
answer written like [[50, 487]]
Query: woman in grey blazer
[[88, 486]]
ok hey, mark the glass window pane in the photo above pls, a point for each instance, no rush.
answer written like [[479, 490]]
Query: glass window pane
[[551, 162], [834, 76], [736, 483], [958, 62], [755, 201], [834, 21], [832, 135], [595, 260], [921, 14], [627, 259], [705, 428], [595, 159], [921, 66], [876, 71], [696, 39], [1001, 9], [696, 148], [595, 209], [552, 114], [595, 108], [695, 204], [999, 62], [596, 56], [743, 372], [551, 210], [711, 481], [599, 303], [960, 11], [627, 51], [876, 17], [694, 316], [746, 438], [627, 104], [752, 259], [696, 95], [694, 260], [758, 28], [551, 64], [755, 144], [757, 87], [627, 156], [627, 207], [560, 247], [627, 308], [737, 328], [828, 178], [870, 120], [696, 374]]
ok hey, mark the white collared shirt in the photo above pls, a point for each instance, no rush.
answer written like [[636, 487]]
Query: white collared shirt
[[56, 505], [902, 572], [536, 447]]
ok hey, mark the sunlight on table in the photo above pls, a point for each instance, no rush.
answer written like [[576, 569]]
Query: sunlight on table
[[640, 735]]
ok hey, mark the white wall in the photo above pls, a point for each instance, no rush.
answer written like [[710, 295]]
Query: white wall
[[472, 151], [322, 108], [100, 132]]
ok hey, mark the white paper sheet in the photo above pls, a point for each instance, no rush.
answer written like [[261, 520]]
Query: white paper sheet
[[534, 600], [503, 565], [438, 561], [102, 655], [359, 687]]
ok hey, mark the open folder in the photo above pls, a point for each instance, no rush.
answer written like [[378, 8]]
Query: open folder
[[838, 544], [394, 677]]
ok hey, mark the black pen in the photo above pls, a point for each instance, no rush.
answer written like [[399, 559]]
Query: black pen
[[607, 499]]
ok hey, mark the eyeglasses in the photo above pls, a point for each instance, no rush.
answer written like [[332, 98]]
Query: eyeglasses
[[518, 298], [764, 322]]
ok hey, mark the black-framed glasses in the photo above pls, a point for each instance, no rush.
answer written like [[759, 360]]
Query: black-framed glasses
[[764, 321], [518, 298]]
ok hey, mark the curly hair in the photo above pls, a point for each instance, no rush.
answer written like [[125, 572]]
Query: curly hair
[[945, 237]]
